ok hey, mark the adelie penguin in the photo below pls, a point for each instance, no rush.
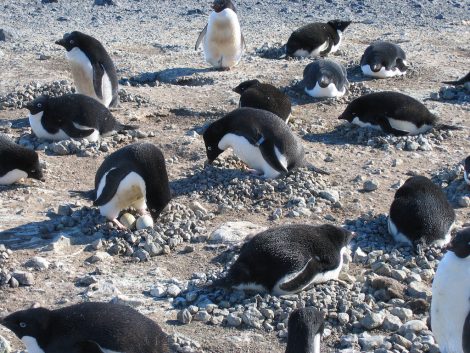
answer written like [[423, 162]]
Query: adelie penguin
[[304, 331], [133, 176], [316, 39], [254, 94], [393, 113], [459, 82], [222, 38], [72, 116], [288, 259], [259, 138], [420, 214], [466, 173], [383, 60], [93, 70], [325, 78], [87, 328], [450, 305], [17, 162]]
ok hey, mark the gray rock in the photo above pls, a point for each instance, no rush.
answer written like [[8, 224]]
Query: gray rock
[[99, 256], [370, 185], [24, 278], [38, 263], [369, 342], [173, 290], [419, 290], [202, 316], [463, 201], [4, 345], [343, 318], [234, 232], [330, 195], [184, 316], [252, 317], [372, 320], [403, 314], [233, 320], [413, 326], [5, 35], [391, 323]]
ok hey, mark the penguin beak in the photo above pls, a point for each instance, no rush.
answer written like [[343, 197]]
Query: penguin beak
[[341, 117], [324, 82], [29, 106], [60, 42], [448, 247]]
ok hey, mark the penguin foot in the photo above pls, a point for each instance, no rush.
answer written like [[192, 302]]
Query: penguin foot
[[143, 212], [254, 172], [119, 224]]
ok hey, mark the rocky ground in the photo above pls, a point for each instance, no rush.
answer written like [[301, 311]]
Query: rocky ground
[[56, 249]]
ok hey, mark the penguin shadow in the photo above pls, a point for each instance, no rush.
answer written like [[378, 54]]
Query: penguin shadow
[[450, 95], [19, 123], [275, 52], [181, 76]]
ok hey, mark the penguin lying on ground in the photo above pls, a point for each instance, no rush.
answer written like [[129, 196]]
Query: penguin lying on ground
[[392, 112], [316, 39], [259, 138], [93, 70], [461, 81], [420, 214], [133, 176], [72, 116], [87, 328], [17, 162], [466, 173], [383, 60], [288, 259], [325, 78], [223, 40], [450, 305], [305, 328], [254, 94]]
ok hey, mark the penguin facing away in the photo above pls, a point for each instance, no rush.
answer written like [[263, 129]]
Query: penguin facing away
[[255, 94], [288, 259], [325, 78], [133, 176], [420, 214], [222, 38], [459, 82], [259, 138], [17, 162], [466, 173], [305, 328], [72, 116], [383, 60], [87, 328], [316, 39], [450, 305], [93, 70]]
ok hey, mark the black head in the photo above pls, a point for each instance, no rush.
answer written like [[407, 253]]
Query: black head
[[460, 245], [211, 140], [221, 5], [38, 105], [350, 112], [339, 25], [467, 164], [304, 324], [376, 64], [324, 81], [339, 236], [242, 87], [72, 40], [30, 322], [32, 166]]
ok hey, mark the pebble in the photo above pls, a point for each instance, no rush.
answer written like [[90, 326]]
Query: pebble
[[99, 256], [184, 316], [24, 278], [370, 185], [37, 263], [4, 345], [234, 232], [372, 320]]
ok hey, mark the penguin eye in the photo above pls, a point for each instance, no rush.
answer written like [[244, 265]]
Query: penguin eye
[[71, 41], [209, 148], [39, 105], [23, 324], [33, 171]]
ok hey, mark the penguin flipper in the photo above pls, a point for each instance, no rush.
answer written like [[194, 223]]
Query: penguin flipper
[[113, 178], [98, 72], [77, 133], [461, 81], [303, 278], [87, 347], [401, 65], [201, 36], [386, 127], [268, 150]]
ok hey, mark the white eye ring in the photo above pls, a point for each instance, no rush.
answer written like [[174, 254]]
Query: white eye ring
[[72, 41], [209, 148], [23, 324], [39, 105]]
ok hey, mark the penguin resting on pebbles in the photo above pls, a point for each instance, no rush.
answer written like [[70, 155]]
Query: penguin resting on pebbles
[[384, 60], [325, 78]]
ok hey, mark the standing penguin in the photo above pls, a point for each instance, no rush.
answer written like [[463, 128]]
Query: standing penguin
[[223, 39], [255, 94], [87, 328], [325, 78], [288, 259], [383, 60], [259, 138], [420, 214], [450, 305], [459, 82], [72, 116], [466, 173], [316, 39], [93, 70], [305, 328], [133, 176], [17, 162]]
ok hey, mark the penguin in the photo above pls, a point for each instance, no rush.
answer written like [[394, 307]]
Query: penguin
[[17, 162], [305, 328], [72, 116], [450, 305], [133, 176], [420, 214], [325, 78], [316, 39], [259, 138], [255, 94], [459, 82], [87, 328], [288, 259], [223, 40], [383, 60], [93, 70], [466, 173], [392, 112]]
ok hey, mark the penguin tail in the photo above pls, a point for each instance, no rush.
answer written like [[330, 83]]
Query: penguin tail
[[447, 127], [127, 127], [223, 282], [458, 82], [87, 195]]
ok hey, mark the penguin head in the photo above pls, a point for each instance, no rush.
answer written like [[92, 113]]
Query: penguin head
[[38, 105], [303, 325], [242, 87], [350, 112], [71, 40], [29, 163], [376, 64], [324, 81], [339, 236], [211, 139], [339, 25], [221, 5], [31, 322], [460, 245]]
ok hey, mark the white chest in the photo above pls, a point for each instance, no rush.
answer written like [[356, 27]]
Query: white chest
[[357, 121], [330, 91], [82, 72], [382, 73], [12, 177], [335, 47], [31, 344], [40, 132]]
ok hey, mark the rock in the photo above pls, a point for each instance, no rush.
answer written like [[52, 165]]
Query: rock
[[252, 317], [59, 148], [4, 345], [125, 300], [59, 244], [463, 201], [64, 210], [128, 221], [233, 320], [184, 316], [419, 290], [142, 255], [5, 35], [392, 287], [404, 314], [330, 195], [37, 263], [372, 320], [234, 232], [343, 318], [86, 281], [173, 290], [14, 282], [391, 323], [99, 256], [369, 342], [202, 316], [106, 2], [24, 278], [144, 222], [158, 291], [360, 256], [370, 185], [419, 306], [413, 326]]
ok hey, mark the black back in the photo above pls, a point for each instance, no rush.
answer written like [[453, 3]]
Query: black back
[[254, 94], [384, 54], [272, 254], [304, 324], [460, 245], [146, 160], [78, 328], [14, 156], [325, 72], [420, 210]]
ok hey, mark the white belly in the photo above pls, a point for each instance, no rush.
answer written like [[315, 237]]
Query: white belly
[[450, 302], [403, 238], [130, 193], [383, 73], [223, 46], [251, 155], [466, 177], [330, 91], [357, 121], [13, 176], [335, 48], [95, 135], [40, 132], [409, 127], [302, 53], [31, 344]]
